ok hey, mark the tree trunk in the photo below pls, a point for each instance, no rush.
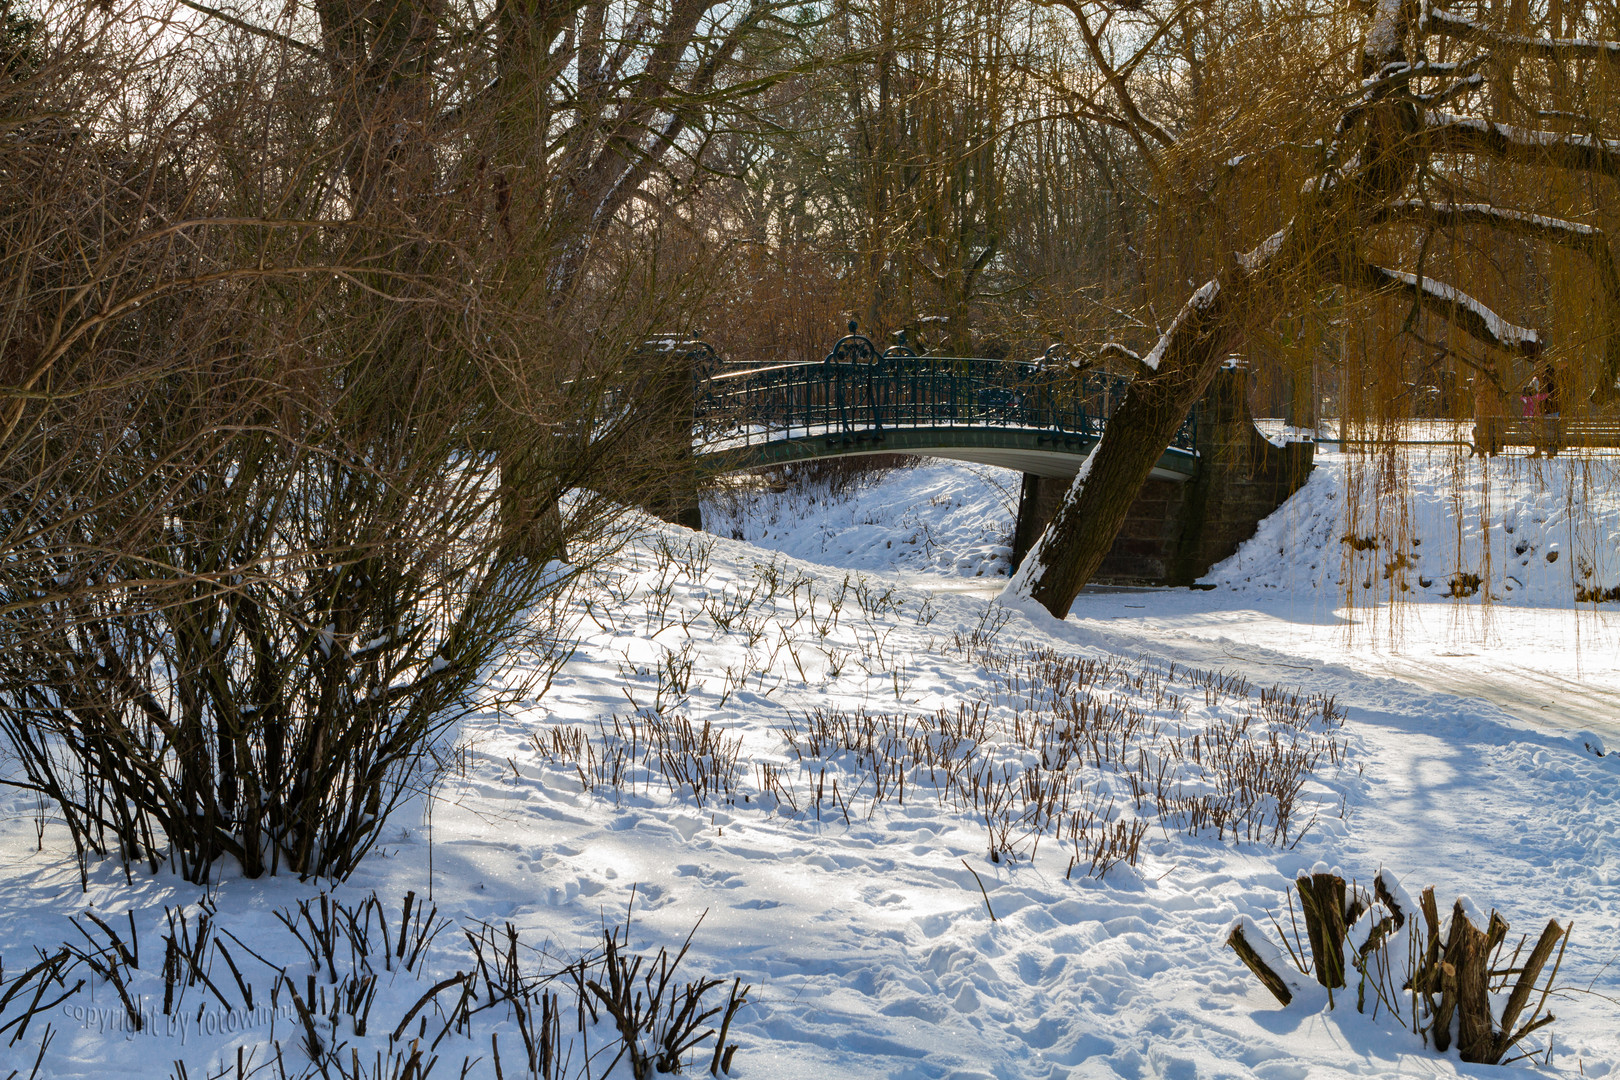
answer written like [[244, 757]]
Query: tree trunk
[[1177, 371], [1271, 979], [1468, 953]]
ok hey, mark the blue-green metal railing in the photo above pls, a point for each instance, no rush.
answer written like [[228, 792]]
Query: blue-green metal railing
[[741, 407]]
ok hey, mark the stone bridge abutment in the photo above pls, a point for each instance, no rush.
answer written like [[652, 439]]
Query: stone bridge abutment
[[1178, 529]]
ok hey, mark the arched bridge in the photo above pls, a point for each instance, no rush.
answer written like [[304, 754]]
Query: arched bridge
[[1039, 417]]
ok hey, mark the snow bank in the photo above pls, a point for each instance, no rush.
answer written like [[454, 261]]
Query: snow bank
[[1434, 525], [938, 517]]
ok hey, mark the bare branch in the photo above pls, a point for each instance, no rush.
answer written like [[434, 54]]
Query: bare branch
[[1556, 50], [1141, 123], [1456, 307], [1448, 133], [1571, 235], [1568, 234], [241, 24], [63, 341], [1114, 348]]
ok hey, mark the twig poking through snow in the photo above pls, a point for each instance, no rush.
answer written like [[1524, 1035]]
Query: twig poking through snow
[[986, 895]]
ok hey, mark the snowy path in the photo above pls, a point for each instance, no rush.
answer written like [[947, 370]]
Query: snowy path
[[1542, 667]]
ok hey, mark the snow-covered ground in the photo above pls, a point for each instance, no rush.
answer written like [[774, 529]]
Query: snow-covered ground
[[1358, 569], [867, 652], [1534, 531], [1433, 523], [937, 518]]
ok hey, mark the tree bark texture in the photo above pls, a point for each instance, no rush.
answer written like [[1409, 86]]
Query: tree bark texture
[[1271, 980], [1468, 953], [1322, 898]]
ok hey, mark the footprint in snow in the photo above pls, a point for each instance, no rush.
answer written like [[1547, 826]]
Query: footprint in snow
[[653, 897], [967, 1001]]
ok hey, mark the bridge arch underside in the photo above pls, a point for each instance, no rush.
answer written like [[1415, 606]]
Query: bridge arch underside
[[1053, 455]]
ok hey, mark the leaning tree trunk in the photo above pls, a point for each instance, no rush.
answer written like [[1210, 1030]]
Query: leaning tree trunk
[[1189, 353], [1178, 370]]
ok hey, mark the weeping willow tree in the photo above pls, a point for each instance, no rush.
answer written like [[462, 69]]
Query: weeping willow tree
[[1453, 168]]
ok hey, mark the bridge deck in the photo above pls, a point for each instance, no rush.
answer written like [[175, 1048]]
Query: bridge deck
[[1043, 453]]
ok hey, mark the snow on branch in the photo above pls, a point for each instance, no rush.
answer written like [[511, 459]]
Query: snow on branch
[[1385, 35], [1453, 134], [1198, 301], [1447, 213], [1115, 348], [1556, 49], [1458, 308], [1569, 234], [1267, 249], [1456, 90], [1399, 74]]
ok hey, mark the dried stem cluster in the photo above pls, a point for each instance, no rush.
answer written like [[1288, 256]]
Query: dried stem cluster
[[1089, 752], [363, 998]]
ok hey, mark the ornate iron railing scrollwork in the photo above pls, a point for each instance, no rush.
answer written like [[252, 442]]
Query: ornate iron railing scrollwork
[[856, 394], [901, 347], [853, 348]]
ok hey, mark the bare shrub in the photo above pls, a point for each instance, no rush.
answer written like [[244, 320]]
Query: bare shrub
[[291, 445], [364, 995], [660, 1019], [699, 760]]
